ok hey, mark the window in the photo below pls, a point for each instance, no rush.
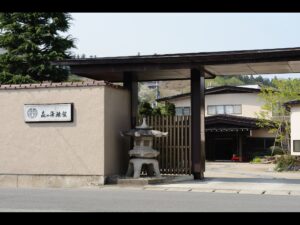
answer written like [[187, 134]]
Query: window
[[186, 111], [229, 109], [296, 147], [183, 111], [224, 109], [178, 111], [237, 109], [211, 110], [220, 109]]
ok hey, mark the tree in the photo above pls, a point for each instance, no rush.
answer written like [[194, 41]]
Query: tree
[[236, 80], [168, 109], [156, 111], [145, 109], [274, 115], [146, 94], [31, 41]]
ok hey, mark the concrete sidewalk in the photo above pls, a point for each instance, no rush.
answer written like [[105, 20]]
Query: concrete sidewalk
[[239, 178]]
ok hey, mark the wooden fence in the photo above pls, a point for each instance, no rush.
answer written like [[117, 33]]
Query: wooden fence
[[175, 149]]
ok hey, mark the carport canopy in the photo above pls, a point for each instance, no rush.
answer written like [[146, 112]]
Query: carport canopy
[[194, 66], [177, 66]]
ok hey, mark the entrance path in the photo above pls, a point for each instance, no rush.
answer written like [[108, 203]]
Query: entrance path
[[240, 178]]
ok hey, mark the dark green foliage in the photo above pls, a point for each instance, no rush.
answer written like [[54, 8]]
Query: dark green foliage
[[145, 109], [256, 160], [273, 115], [266, 152], [276, 150], [285, 163], [235, 80], [156, 111], [169, 109], [8, 78], [31, 41]]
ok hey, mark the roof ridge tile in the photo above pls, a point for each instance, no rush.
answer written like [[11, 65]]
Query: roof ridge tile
[[58, 85]]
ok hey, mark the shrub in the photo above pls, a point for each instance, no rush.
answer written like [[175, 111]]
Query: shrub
[[276, 150], [145, 109], [285, 163], [262, 153], [168, 109], [156, 111], [256, 160]]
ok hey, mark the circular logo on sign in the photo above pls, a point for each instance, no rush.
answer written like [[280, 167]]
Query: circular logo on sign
[[32, 113]]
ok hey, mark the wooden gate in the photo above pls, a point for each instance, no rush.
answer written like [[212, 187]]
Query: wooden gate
[[175, 149]]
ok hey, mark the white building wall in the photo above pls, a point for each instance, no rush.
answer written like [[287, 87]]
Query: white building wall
[[295, 127], [251, 103]]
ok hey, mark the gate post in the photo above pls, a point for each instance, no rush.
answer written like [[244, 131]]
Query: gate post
[[198, 122], [130, 83]]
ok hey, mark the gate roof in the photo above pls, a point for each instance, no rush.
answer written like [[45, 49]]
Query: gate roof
[[177, 66]]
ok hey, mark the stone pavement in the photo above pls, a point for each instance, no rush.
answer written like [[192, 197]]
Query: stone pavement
[[239, 178]]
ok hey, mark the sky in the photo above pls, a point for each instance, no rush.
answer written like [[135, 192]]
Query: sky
[[122, 34]]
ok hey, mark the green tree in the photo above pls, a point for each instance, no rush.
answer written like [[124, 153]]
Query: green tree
[[30, 42], [274, 115], [156, 111], [145, 109], [146, 94], [168, 109], [236, 80]]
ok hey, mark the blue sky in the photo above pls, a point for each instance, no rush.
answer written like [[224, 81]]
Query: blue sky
[[118, 34]]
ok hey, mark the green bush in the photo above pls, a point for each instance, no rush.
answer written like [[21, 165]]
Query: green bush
[[9, 78], [145, 109], [156, 111], [276, 150], [285, 163], [168, 109], [256, 160], [262, 153]]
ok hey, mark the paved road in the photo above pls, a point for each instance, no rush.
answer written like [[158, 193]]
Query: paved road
[[136, 200]]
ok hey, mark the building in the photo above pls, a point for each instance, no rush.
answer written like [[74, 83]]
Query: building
[[195, 67], [294, 108], [231, 124]]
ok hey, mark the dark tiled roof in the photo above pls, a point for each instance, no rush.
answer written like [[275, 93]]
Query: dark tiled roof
[[225, 121], [231, 119], [173, 97], [216, 90], [57, 85]]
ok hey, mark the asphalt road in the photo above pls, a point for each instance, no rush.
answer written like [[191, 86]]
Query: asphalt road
[[131, 200]]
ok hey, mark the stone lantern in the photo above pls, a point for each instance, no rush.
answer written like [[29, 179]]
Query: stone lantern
[[142, 152]]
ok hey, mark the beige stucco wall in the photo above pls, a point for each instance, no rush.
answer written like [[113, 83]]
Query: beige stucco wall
[[295, 126], [77, 148], [117, 118], [181, 102], [251, 103]]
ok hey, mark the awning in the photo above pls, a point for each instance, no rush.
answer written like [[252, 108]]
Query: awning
[[177, 66], [230, 123], [221, 130]]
